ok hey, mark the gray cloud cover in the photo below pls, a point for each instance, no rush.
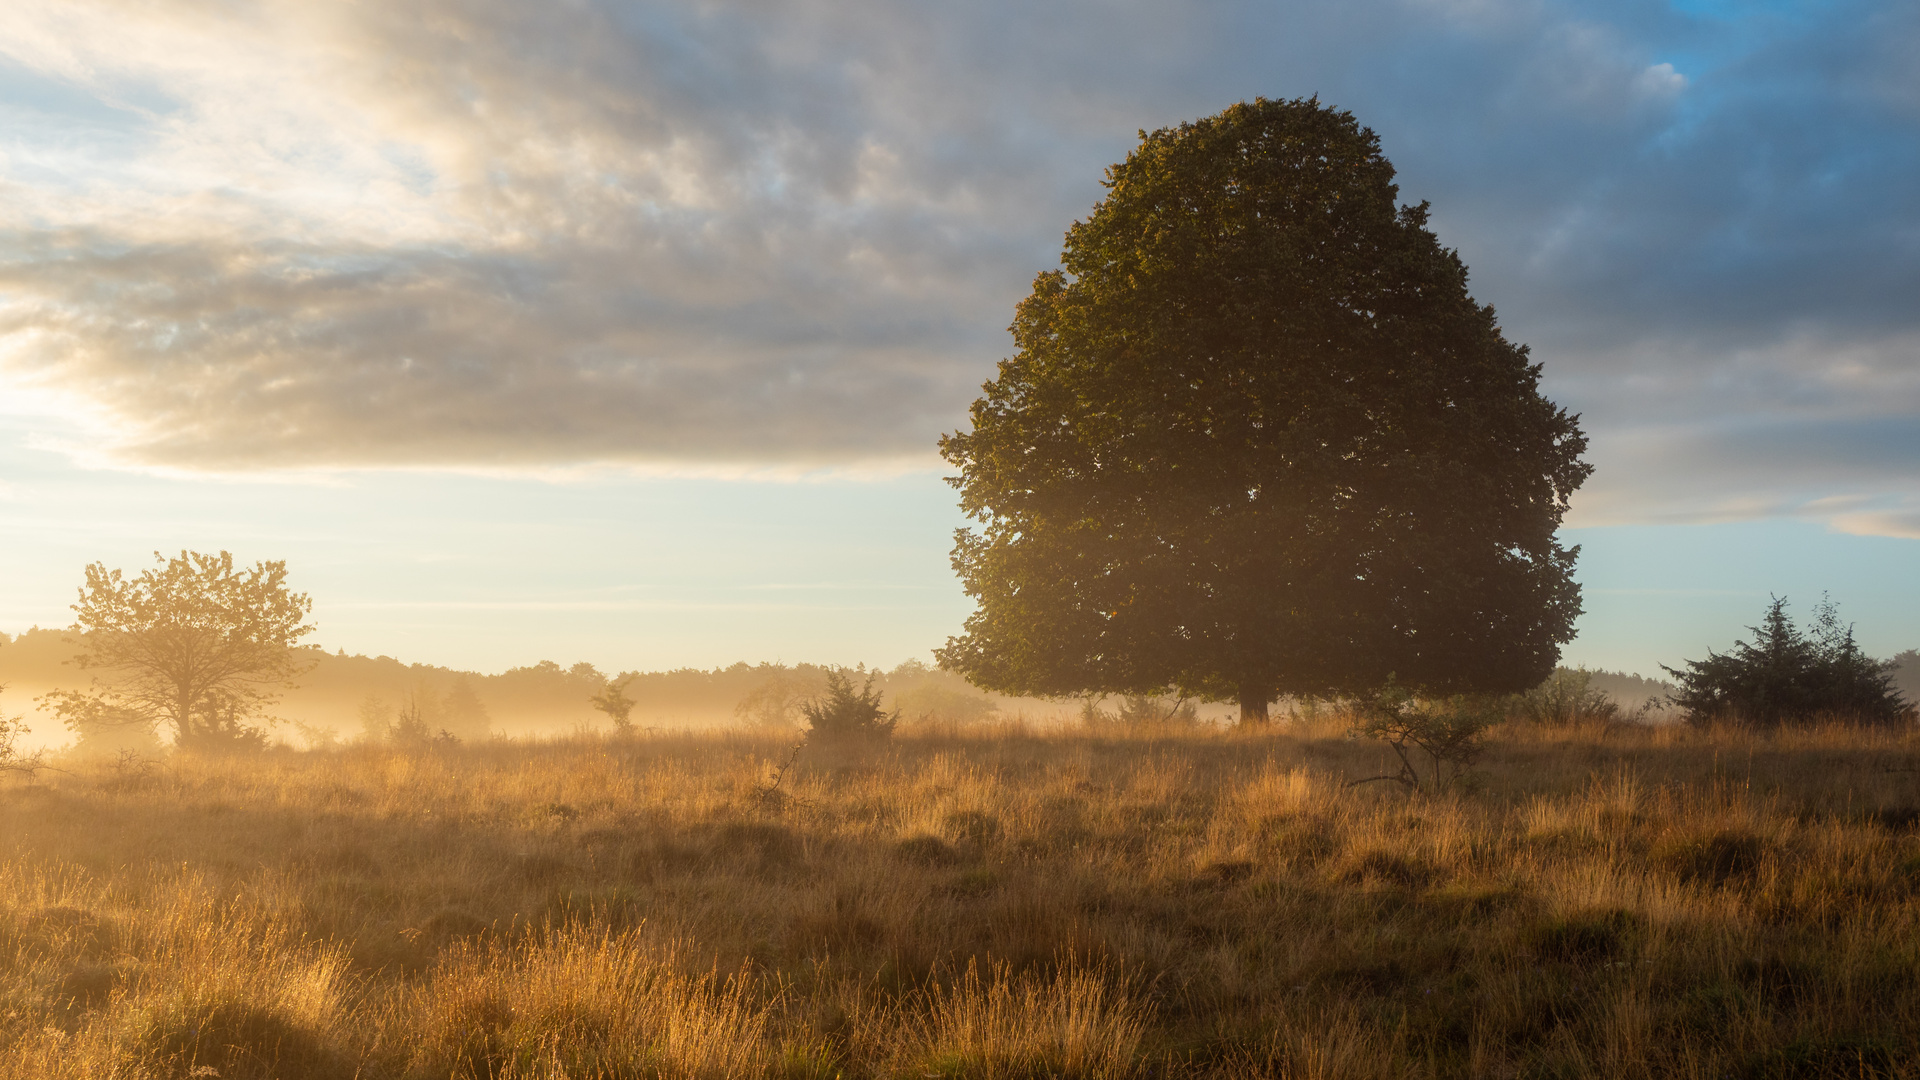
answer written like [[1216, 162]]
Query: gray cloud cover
[[464, 232]]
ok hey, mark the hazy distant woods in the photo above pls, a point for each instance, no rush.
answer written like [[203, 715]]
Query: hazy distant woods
[[346, 695], [343, 693]]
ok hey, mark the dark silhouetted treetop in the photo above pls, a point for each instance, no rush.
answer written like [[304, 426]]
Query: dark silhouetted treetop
[[1786, 676], [193, 642], [1258, 439]]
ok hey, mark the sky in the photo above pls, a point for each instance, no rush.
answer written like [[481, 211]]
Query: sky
[[624, 332]]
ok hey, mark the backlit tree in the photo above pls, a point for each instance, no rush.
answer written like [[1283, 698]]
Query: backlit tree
[[1257, 439], [193, 643]]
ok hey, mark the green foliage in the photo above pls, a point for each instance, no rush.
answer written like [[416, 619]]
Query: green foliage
[[193, 643], [848, 715], [1568, 696], [1449, 732], [1257, 439], [1785, 676]]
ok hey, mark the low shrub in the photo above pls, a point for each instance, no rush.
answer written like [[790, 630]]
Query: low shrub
[[1567, 697]]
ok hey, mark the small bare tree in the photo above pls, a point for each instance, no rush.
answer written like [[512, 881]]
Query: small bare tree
[[1448, 731]]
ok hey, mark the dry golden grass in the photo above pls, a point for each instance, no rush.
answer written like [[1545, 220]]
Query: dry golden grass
[[1612, 902]]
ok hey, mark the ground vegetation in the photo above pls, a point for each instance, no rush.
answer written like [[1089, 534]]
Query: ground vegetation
[[1612, 901]]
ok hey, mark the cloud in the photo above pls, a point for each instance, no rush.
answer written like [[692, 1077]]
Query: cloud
[[475, 233], [1902, 522]]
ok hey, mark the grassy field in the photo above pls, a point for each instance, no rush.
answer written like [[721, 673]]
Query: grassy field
[[1606, 901]]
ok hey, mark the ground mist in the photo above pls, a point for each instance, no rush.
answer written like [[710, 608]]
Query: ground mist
[[1602, 901]]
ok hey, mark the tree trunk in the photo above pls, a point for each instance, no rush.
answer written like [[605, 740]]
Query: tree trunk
[[1253, 705]]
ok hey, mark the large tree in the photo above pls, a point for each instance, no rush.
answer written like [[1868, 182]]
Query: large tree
[[1257, 439], [194, 642]]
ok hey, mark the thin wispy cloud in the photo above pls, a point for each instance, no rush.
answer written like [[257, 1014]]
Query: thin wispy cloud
[[486, 235]]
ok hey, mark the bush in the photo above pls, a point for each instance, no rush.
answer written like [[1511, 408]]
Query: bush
[[1786, 676], [848, 715], [1568, 696], [1449, 731]]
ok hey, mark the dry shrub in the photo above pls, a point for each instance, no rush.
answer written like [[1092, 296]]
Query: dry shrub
[[192, 983]]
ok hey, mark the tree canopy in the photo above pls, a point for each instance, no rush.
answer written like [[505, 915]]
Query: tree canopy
[[1258, 439], [194, 642], [1785, 675]]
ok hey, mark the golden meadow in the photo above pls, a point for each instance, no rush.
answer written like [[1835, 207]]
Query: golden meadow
[[1603, 900]]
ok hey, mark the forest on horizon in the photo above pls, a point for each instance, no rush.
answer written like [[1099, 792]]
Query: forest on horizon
[[548, 698]]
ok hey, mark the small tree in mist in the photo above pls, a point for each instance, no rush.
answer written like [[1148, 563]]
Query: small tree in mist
[[775, 701], [411, 727], [616, 704], [376, 719], [418, 724], [848, 715], [462, 713], [194, 643], [1785, 676]]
